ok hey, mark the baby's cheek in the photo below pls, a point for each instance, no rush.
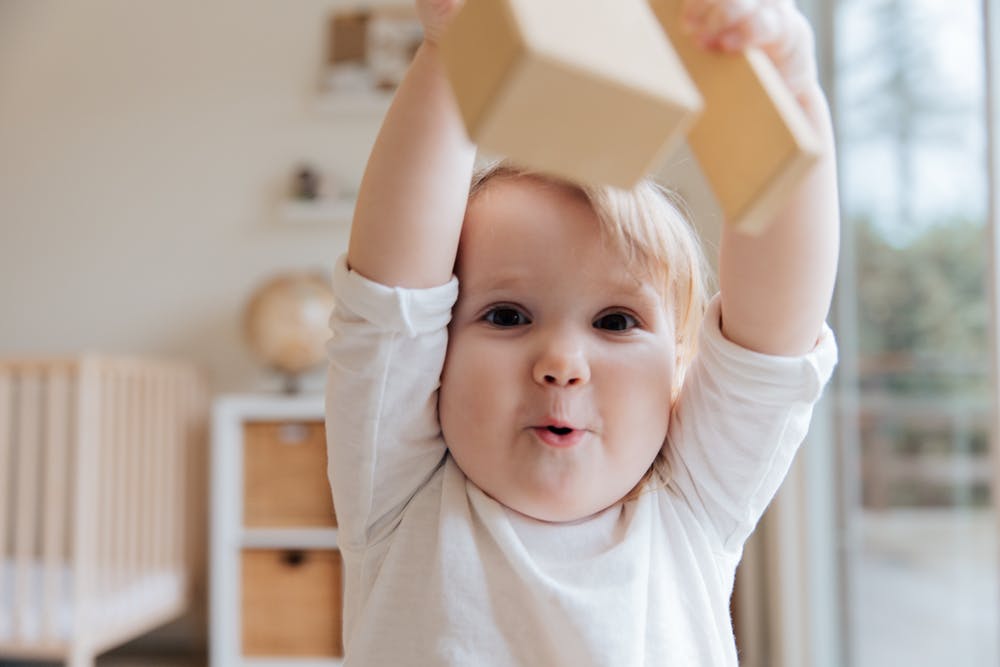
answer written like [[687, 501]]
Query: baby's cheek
[[652, 392], [467, 383]]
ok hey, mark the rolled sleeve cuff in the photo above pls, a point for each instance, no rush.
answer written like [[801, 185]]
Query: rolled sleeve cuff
[[770, 378], [398, 309]]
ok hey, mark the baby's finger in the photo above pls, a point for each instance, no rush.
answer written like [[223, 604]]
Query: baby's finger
[[761, 28], [784, 34], [693, 12], [769, 24], [723, 16]]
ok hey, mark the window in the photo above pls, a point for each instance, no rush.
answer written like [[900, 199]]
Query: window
[[914, 397]]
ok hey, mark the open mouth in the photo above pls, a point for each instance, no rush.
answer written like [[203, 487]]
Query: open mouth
[[559, 436]]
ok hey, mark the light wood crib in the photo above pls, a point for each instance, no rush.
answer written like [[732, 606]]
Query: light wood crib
[[96, 492]]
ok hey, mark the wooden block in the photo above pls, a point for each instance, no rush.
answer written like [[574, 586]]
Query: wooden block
[[292, 603], [284, 476], [592, 92], [752, 141]]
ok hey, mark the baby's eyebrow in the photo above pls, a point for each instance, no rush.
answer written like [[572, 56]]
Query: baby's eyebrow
[[497, 283], [634, 290]]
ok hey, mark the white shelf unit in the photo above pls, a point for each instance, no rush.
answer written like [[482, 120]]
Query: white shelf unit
[[338, 211], [277, 538], [231, 540]]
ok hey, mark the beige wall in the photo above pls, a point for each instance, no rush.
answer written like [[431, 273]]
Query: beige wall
[[144, 147]]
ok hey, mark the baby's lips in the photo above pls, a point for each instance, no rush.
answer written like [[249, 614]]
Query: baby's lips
[[559, 439], [552, 422]]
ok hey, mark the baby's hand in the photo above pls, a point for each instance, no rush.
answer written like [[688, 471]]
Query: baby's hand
[[435, 15], [775, 26]]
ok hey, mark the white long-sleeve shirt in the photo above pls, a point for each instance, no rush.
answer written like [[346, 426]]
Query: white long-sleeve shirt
[[439, 573]]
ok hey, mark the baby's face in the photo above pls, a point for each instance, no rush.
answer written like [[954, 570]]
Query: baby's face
[[556, 390]]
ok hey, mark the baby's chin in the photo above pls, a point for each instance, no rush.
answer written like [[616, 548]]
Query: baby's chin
[[553, 509]]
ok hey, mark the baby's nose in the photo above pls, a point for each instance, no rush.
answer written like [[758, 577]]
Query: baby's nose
[[562, 367]]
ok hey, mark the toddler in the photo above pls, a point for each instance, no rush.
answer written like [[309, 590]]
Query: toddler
[[547, 446]]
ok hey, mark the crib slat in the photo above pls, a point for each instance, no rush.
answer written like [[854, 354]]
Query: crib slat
[[173, 496], [86, 523], [141, 471], [156, 468], [145, 472], [26, 517], [103, 465], [131, 481], [156, 471], [6, 505], [146, 475], [163, 498], [184, 468], [119, 479], [196, 481], [135, 476], [184, 474], [166, 473], [57, 431]]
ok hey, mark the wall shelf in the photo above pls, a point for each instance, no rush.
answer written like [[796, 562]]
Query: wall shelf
[[360, 104], [338, 211]]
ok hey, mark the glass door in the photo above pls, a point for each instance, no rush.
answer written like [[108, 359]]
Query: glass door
[[918, 533]]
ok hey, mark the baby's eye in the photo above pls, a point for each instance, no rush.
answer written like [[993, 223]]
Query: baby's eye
[[615, 322], [505, 316]]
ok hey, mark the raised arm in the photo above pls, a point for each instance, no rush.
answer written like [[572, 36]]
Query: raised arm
[[776, 287], [413, 194]]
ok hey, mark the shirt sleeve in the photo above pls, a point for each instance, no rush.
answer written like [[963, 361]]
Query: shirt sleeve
[[383, 438], [737, 424]]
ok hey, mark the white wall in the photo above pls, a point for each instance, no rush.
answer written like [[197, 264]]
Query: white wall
[[144, 147]]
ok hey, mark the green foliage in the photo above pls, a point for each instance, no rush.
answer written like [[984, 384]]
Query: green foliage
[[923, 315]]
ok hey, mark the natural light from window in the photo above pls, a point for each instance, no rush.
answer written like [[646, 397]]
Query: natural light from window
[[919, 542]]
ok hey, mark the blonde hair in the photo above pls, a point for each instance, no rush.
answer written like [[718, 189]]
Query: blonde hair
[[648, 225]]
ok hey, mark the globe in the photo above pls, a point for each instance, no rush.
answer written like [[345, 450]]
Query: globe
[[286, 323]]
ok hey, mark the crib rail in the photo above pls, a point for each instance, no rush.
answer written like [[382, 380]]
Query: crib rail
[[95, 486]]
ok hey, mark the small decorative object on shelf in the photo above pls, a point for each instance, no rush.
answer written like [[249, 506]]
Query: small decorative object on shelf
[[307, 184], [286, 324], [368, 54], [314, 198]]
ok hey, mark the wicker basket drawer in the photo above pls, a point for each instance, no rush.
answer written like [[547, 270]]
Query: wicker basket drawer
[[292, 603], [284, 476]]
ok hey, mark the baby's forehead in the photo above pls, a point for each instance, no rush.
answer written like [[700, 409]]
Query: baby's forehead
[[525, 202], [505, 190]]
